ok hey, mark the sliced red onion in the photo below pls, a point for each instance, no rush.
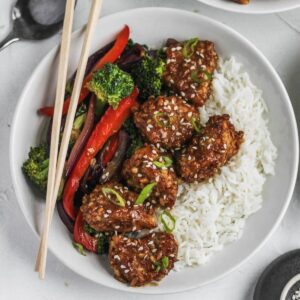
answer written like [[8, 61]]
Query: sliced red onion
[[131, 57], [83, 137], [64, 217], [97, 173], [93, 59], [114, 165]]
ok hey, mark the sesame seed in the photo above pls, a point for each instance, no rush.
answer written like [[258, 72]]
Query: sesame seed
[[141, 248], [150, 243], [126, 271], [117, 257], [122, 267], [105, 215]]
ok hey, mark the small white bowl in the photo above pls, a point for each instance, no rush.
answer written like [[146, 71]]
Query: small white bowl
[[153, 26], [255, 6]]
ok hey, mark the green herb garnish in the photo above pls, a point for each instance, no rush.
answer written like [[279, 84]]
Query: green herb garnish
[[194, 77], [145, 193], [168, 221], [162, 119], [162, 264], [119, 200], [189, 47], [196, 125], [167, 162], [79, 248], [207, 76]]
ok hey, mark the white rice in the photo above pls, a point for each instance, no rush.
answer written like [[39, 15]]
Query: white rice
[[210, 215]]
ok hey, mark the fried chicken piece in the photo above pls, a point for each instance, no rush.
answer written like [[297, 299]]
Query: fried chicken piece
[[189, 69], [101, 211], [149, 165], [166, 121], [209, 151], [142, 261]]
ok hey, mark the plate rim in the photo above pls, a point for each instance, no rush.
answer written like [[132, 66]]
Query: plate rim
[[239, 8], [286, 99]]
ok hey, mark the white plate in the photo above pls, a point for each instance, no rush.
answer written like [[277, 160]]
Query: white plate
[[255, 6], [153, 26]]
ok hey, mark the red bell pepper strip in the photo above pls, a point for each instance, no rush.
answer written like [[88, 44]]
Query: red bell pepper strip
[[109, 124], [82, 237], [110, 57], [111, 150]]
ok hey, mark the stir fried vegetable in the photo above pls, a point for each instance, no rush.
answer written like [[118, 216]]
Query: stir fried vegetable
[[110, 57], [36, 166], [134, 136], [109, 124], [111, 84], [147, 75]]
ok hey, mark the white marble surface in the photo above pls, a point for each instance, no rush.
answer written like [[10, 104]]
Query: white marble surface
[[277, 36]]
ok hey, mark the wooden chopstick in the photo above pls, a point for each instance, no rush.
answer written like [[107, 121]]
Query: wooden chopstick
[[58, 107], [93, 17]]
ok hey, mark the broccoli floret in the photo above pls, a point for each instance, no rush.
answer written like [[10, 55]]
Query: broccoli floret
[[134, 136], [147, 76], [36, 166], [111, 84]]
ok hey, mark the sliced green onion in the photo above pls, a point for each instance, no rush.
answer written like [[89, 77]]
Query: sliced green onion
[[189, 47], [194, 77], [162, 119], [196, 125], [207, 76], [158, 266], [167, 162], [79, 248], [162, 264], [145, 193], [165, 262], [119, 199], [168, 221]]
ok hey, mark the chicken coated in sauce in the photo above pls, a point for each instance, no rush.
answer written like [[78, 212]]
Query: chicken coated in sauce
[[210, 150], [142, 261], [189, 69], [149, 165], [168, 122], [101, 209]]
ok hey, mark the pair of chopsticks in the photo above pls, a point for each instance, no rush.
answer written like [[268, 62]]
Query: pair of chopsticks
[[57, 159]]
